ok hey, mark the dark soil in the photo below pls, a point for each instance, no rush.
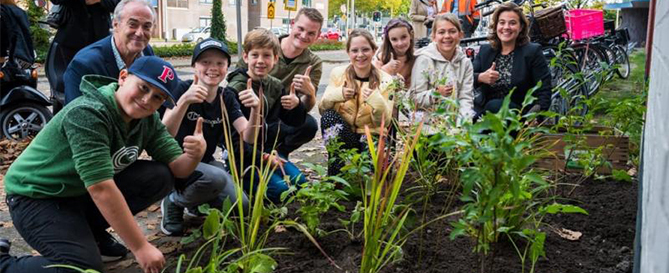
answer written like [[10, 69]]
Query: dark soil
[[606, 244]]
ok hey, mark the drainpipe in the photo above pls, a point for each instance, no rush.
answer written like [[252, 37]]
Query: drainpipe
[[649, 37]]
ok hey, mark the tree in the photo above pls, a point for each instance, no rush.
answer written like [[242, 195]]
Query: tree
[[40, 35], [218, 27]]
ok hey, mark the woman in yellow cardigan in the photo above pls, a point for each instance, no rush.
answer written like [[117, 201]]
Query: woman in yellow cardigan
[[358, 94]]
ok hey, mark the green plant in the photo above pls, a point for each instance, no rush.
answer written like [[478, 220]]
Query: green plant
[[39, 35], [502, 192], [184, 49], [218, 26], [534, 236], [321, 45], [383, 219], [316, 198]]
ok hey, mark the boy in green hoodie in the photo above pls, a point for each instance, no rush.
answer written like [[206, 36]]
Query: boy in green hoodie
[[81, 174]]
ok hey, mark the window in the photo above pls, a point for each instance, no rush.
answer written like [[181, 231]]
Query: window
[[206, 1], [285, 21], [254, 2], [177, 3], [306, 3], [231, 2], [205, 21]]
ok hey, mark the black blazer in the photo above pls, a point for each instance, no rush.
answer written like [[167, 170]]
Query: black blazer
[[97, 58], [529, 67], [85, 24]]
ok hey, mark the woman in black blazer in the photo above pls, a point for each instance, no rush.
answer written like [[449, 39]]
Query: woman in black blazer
[[511, 61]]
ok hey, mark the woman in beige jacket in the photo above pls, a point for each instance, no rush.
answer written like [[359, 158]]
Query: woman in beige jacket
[[421, 11], [357, 95], [443, 71]]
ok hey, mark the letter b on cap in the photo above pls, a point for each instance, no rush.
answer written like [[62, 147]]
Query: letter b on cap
[[167, 74]]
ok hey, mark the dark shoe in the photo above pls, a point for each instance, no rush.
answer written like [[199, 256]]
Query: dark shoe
[[110, 249], [173, 217], [4, 246]]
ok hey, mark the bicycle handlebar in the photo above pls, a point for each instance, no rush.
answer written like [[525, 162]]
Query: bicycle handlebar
[[486, 3]]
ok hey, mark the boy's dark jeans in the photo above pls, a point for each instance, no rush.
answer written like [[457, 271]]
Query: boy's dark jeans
[[62, 229], [290, 138]]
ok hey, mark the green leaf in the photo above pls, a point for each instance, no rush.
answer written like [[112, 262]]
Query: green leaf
[[621, 175], [561, 208], [212, 224], [261, 263], [195, 270], [537, 249]]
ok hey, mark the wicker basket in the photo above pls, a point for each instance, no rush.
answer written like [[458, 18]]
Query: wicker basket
[[550, 22]]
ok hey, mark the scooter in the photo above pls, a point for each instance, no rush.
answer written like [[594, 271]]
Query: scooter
[[23, 108]]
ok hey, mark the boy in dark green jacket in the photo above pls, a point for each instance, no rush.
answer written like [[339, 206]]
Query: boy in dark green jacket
[[81, 174], [261, 52]]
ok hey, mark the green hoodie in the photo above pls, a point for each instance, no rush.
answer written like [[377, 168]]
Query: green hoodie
[[86, 143]]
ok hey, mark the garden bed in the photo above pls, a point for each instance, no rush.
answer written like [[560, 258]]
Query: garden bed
[[606, 244]]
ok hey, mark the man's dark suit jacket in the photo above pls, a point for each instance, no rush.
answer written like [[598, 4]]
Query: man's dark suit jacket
[[529, 67], [97, 58]]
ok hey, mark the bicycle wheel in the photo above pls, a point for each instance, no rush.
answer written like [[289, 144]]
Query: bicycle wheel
[[622, 62], [591, 60], [569, 87]]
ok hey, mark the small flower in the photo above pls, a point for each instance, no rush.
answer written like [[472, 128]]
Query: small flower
[[332, 132], [363, 139]]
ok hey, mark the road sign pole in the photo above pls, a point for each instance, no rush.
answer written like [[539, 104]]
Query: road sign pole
[[239, 27]]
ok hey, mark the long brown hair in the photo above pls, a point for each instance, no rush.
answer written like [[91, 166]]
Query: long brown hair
[[374, 75], [523, 35], [387, 47]]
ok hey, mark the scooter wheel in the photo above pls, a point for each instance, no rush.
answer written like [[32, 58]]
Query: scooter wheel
[[23, 120]]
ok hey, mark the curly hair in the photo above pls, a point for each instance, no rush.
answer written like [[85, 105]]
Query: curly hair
[[523, 35]]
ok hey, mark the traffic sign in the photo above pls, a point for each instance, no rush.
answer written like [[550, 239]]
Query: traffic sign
[[270, 10], [290, 5]]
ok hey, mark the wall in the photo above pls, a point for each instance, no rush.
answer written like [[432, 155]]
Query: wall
[[636, 21], [655, 188], [182, 18]]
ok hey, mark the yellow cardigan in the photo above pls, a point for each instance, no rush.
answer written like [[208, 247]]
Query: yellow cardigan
[[359, 112]]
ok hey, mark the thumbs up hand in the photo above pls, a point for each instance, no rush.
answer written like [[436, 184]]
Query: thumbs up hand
[[348, 93], [290, 101], [366, 92], [195, 94], [393, 66], [490, 76], [247, 97], [195, 145], [303, 83]]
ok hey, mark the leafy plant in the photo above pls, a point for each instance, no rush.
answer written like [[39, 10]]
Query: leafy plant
[[39, 34], [503, 193], [317, 198]]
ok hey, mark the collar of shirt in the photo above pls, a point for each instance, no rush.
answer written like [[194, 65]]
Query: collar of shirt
[[117, 56]]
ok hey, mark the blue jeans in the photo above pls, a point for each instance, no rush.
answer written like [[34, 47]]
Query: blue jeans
[[213, 187], [276, 185], [63, 229]]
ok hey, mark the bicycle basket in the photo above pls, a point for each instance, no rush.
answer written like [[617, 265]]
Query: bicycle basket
[[550, 22]]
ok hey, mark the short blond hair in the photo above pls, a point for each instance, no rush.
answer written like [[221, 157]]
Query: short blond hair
[[261, 38]]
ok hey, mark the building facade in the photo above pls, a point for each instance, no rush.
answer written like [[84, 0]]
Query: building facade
[[178, 17]]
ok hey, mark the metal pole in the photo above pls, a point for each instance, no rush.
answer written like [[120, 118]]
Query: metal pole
[[239, 27], [353, 12]]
